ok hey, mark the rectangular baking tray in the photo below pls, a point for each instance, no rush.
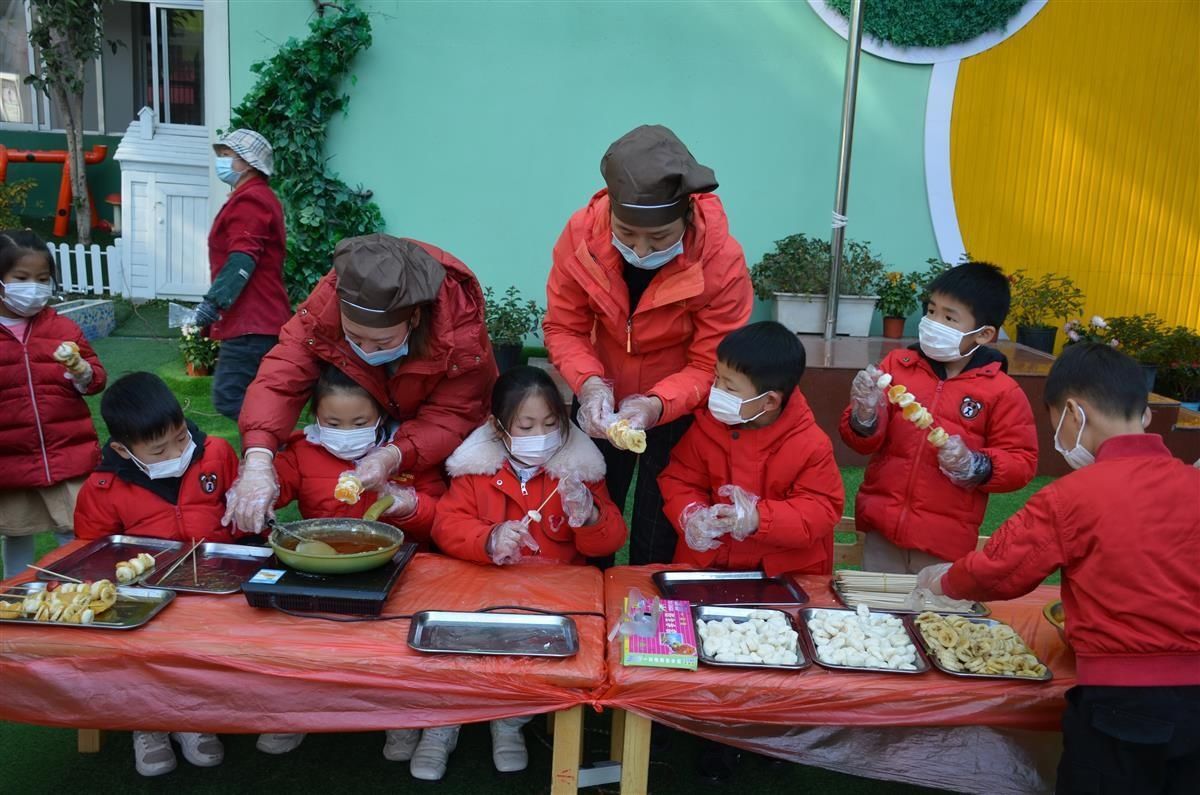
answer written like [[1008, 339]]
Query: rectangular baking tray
[[991, 622], [220, 569], [978, 609], [514, 634], [921, 664], [739, 615], [730, 588], [135, 606], [98, 560]]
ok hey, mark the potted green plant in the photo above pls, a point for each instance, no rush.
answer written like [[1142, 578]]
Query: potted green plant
[[1140, 336], [1179, 365], [1038, 303], [796, 275], [897, 299], [199, 352], [509, 319]]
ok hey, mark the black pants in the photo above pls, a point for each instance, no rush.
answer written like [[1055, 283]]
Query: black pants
[[237, 364], [1131, 740]]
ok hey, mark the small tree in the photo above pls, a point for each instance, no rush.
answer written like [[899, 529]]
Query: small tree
[[68, 35]]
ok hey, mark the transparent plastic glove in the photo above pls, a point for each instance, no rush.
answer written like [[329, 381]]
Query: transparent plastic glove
[[930, 578], [404, 499], [965, 467], [703, 525], [576, 500], [745, 505], [505, 543], [866, 395], [251, 499], [642, 411], [374, 468], [596, 407], [80, 375]]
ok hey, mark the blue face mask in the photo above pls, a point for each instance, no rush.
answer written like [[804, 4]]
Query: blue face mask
[[652, 261], [225, 172], [382, 356]]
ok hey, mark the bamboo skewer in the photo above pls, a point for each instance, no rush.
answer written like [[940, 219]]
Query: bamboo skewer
[[177, 563], [526, 518], [52, 573]]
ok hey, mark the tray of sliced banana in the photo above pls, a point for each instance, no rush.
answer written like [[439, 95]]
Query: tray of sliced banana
[[91, 605], [126, 560], [978, 647]]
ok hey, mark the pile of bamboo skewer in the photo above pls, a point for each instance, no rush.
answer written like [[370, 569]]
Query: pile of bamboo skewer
[[883, 591]]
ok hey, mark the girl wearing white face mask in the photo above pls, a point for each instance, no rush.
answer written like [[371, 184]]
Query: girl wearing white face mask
[[48, 443]]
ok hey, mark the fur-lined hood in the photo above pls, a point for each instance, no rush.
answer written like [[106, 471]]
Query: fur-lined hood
[[483, 453]]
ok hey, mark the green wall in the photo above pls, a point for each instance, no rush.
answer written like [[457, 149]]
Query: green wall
[[480, 126], [104, 177]]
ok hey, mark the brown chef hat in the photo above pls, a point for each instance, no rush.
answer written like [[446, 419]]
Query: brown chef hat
[[650, 174], [380, 279]]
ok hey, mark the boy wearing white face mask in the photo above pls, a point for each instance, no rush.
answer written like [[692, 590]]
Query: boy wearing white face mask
[[1123, 529], [919, 504]]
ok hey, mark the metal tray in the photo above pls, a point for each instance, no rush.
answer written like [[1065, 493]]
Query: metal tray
[[516, 634], [220, 569], [991, 622], [730, 588], [921, 663], [978, 609], [740, 615], [135, 606], [99, 559]]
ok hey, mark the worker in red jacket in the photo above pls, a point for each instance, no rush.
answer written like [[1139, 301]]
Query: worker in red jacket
[[404, 320], [646, 281], [753, 484], [1123, 529], [48, 443], [920, 504], [247, 302]]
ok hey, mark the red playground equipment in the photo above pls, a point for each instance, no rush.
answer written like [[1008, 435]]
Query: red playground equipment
[[62, 214]]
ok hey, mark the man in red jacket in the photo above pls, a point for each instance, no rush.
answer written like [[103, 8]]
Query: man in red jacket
[[1123, 528]]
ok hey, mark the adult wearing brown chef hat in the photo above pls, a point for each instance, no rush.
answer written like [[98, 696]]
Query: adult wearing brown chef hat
[[404, 320], [646, 281]]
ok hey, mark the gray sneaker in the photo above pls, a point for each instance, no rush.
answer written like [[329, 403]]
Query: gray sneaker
[[152, 753], [202, 750], [278, 743], [429, 759], [400, 744]]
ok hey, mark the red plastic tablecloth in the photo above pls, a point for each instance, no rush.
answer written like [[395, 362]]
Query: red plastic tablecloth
[[215, 664], [820, 697]]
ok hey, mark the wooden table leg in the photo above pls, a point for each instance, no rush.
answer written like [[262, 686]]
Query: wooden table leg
[[568, 749], [635, 755], [616, 741], [90, 741]]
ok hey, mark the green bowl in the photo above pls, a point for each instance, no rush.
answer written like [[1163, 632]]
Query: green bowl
[[323, 529]]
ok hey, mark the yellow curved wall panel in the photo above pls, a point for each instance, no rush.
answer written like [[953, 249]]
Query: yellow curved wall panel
[[1075, 149]]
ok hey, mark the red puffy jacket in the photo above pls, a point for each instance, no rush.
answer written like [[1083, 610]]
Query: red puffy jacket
[[438, 396], [1124, 531], [308, 473], [485, 491], [120, 498], [904, 494], [788, 464], [667, 348], [46, 431]]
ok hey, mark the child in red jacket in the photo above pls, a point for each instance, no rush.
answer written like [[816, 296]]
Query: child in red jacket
[[1123, 529], [159, 476], [48, 443], [920, 504], [753, 483]]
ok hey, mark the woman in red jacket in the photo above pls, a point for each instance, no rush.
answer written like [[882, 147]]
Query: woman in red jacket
[[646, 281], [48, 443], [404, 320]]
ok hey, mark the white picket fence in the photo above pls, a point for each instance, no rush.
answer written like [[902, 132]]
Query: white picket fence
[[89, 270]]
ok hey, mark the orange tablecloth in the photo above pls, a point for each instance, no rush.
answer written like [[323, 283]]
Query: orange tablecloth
[[215, 664]]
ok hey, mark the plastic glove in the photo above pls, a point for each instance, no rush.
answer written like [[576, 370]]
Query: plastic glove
[[251, 499], [404, 499], [596, 407], [745, 505], [576, 500], [930, 578], [866, 395], [965, 467], [206, 314], [374, 468], [642, 411], [703, 525], [505, 542], [80, 375]]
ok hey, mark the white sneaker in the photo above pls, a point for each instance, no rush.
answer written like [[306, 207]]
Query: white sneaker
[[508, 745], [278, 743], [429, 759], [152, 753], [400, 744], [202, 750]]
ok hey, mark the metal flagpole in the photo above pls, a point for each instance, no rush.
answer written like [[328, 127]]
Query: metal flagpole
[[849, 94]]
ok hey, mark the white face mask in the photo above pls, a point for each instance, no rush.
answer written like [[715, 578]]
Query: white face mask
[[26, 298], [534, 450], [726, 407], [941, 343], [652, 261], [1078, 456], [172, 468], [348, 444]]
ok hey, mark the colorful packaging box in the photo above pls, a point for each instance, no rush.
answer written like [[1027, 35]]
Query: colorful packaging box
[[673, 646]]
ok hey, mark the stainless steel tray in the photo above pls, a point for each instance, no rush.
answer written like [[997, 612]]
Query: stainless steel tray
[[517, 634], [921, 663], [991, 622], [739, 615], [135, 606], [730, 588], [99, 559], [978, 609], [220, 569]]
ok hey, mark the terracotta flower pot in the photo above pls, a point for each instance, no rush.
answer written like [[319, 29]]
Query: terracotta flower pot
[[196, 370], [893, 327]]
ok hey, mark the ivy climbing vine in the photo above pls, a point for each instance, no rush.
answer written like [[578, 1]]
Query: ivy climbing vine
[[932, 23], [297, 93]]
